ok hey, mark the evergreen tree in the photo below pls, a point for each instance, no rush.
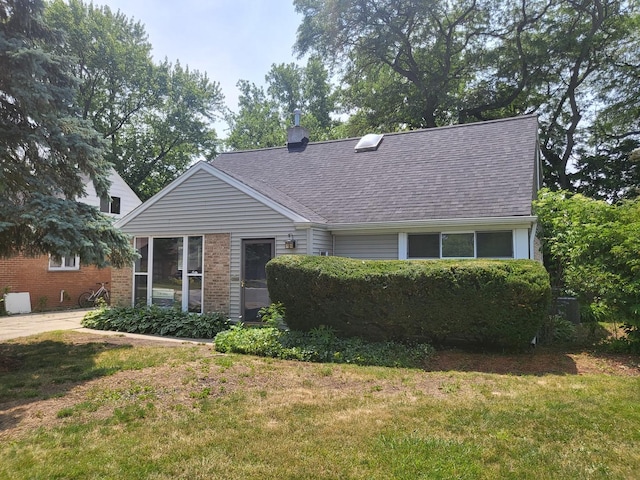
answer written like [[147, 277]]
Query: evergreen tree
[[47, 151]]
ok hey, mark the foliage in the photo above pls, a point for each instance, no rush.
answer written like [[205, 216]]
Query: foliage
[[48, 152], [591, 249], [557, 329], [263, 117], [155, 320], [155, 117], [273, 315], [320, 345], [497, 303], [409, 64]]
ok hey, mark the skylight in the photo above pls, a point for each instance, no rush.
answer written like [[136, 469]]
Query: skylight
[[369, 142]]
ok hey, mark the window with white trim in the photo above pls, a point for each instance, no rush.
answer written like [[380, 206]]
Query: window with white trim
[[64, 263], [169, 272], [110, 205], [488, 244]]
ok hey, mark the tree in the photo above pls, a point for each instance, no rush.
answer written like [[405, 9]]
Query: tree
[[258, 124], [46, 148], [591, 250], [263, 117], [416, 64], [156, 117]]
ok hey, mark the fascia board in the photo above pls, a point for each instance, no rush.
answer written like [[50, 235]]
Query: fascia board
[[522, 221]]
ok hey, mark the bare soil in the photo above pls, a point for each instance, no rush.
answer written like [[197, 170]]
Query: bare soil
[[178, 384]]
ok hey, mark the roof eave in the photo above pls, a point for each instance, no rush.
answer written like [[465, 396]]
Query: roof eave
[[405, 225]]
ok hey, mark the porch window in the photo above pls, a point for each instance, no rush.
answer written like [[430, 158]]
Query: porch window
[[165, 276], [141, 271], [64, 263]]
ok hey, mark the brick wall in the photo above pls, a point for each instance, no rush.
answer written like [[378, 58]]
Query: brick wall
[[217, 265], [31, 274], [122, 286]]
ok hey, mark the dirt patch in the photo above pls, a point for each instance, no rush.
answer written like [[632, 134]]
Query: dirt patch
[[539, 361], [209, 375]]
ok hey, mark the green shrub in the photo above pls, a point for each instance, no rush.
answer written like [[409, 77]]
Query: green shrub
[[155, 320], [591, 250], [487, 302], [319, 345], [557, 329]]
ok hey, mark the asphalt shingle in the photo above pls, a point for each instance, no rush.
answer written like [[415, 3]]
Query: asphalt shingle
[[484, 169]]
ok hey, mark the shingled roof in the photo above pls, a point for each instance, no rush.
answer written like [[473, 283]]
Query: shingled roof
[[476, 170]]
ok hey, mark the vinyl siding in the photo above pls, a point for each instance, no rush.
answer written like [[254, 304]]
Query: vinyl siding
[[119, 188], [367, 247], [322, 242], [205, 204]]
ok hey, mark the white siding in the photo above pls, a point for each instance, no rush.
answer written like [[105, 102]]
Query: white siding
[[370, 247], [119, 188]]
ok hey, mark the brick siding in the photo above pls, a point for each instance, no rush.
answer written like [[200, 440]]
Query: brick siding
[[217, 267], [122, 286], [31, 274]]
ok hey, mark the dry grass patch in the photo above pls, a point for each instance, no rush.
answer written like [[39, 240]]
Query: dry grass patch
[[141, 409]]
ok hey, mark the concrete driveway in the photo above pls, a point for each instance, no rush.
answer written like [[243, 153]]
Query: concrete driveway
[[14, 326]]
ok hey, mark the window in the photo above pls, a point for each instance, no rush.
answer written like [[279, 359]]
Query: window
[[424, 246], [112, 206], [164, 276], [64, 263], [458, 245], [495, 244]]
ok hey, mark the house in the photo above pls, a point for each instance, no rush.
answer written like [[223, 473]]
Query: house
[[54, 283], [461, 191]]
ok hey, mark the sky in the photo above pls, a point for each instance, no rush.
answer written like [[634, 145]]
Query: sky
[[230, 40]]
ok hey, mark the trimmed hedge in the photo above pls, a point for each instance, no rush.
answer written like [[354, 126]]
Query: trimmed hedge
[[486, 302]]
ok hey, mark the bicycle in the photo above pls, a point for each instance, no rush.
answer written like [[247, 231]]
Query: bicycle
[[88, 299]]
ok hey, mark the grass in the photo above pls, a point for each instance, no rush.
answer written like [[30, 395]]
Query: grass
[[106, 410]]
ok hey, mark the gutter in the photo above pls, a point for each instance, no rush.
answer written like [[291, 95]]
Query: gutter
[[405, 225]]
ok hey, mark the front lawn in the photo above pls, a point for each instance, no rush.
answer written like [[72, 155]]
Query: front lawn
[[76, 405]]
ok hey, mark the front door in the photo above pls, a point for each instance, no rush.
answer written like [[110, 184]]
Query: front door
[[255, 255]]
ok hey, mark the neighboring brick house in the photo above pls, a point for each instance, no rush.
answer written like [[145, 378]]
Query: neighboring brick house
[[55, 283], [462, 191]]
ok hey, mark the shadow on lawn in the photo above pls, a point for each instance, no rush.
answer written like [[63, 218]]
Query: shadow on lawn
[[536, 362], [36, 371]]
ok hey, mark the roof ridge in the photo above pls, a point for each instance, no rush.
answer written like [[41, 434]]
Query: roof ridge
[[405, 132]]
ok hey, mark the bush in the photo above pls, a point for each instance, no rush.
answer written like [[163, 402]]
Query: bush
[[557, 330], [319, 345], [493, 303], [155, 320], [591, 250]]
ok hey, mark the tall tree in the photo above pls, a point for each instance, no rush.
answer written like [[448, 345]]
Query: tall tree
[[133, 102], [263, 117], [425, 63], [46, 148]]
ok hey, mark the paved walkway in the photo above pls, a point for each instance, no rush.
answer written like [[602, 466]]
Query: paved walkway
[[14, 326]]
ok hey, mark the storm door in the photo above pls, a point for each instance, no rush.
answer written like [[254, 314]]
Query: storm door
[[255, 255]]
